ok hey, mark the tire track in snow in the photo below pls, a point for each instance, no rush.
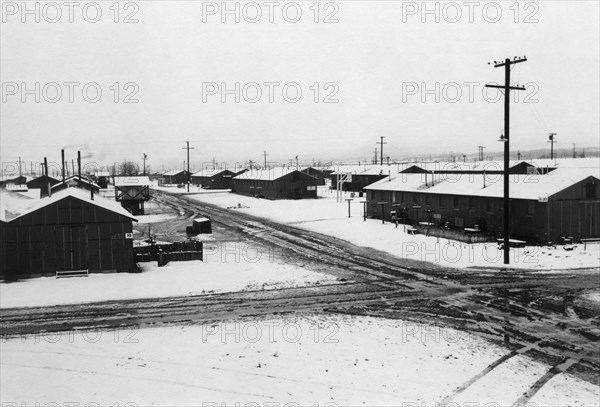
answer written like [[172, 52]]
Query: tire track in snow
[[535, 387], [483, 373]]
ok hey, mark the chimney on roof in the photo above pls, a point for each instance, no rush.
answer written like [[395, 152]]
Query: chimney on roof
[[79, 164], [92, 193], [62, 154], [48, 186]]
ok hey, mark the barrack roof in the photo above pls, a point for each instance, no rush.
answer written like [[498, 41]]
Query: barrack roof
[[521, 186], [13, 207]]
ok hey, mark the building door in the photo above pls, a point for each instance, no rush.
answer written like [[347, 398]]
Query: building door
[[71, 245]]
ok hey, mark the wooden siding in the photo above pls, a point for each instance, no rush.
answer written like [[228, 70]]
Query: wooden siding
[[67, 235], [295, 185], [572, 212], [221, 180]]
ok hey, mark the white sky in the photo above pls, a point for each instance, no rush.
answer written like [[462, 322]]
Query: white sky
[[370, 53]]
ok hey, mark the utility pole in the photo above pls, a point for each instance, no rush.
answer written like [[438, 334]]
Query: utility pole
[[144, 157], [519, 155], [297, 168], [375, 159], [188, 148], [265, 156], [507, 88], [19, 169], [381, 143], [480, 152], [551, 140]]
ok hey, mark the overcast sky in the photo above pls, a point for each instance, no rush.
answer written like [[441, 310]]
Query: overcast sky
[[380, 63]]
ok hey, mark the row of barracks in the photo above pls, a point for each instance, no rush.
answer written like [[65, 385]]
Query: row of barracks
[[564, 202]]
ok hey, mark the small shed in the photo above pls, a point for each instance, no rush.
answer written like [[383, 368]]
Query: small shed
[[202, 225]]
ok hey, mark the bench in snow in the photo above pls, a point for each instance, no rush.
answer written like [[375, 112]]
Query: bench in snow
[[589, 240], [72, 273]]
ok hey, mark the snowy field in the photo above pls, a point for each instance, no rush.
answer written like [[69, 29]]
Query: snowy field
[[309, 360], [219, 273], [327, 216]]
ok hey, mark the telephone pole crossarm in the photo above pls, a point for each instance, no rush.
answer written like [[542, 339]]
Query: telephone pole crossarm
[[509, 62], [504, 87]]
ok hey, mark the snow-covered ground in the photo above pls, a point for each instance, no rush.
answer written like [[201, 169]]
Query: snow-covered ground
[[193, 190], [327, 216], [159, 217], [307, 360], [221, 272]]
